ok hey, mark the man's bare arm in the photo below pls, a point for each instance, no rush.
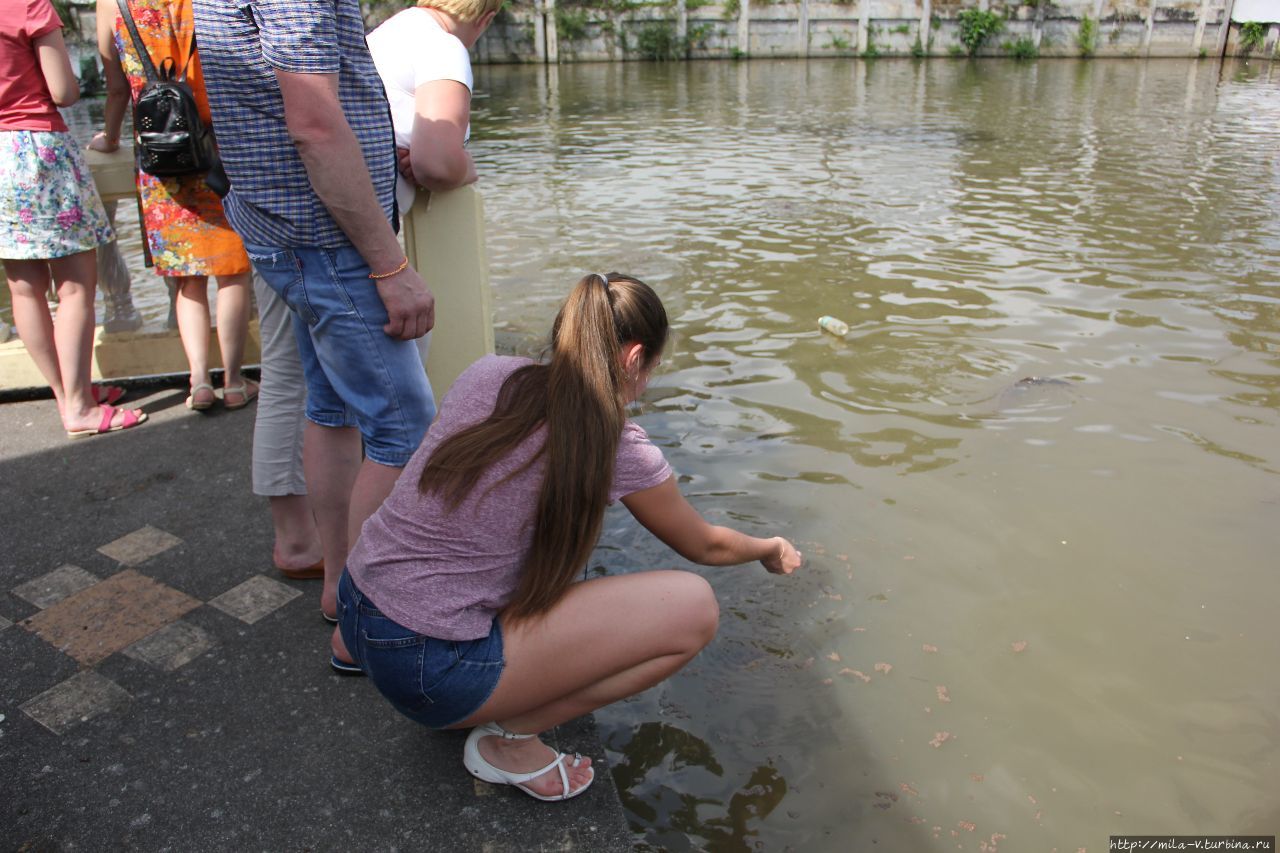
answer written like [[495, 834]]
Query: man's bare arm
[[335, 165]]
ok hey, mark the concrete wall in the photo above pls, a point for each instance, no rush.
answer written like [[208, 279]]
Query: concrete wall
[[529, 32]]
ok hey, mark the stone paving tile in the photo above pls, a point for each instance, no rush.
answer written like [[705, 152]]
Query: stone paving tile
[[254, 598], [172, 646], [139, 546], [101, 620], [81, 697], [55, 586]]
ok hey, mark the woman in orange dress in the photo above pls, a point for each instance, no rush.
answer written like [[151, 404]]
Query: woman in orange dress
[[186, 231]]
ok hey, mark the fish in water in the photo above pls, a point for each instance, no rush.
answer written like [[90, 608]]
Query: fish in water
[[1034, 381], [1035, 392]]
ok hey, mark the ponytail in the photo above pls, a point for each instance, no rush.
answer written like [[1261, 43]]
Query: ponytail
[[579, 396]]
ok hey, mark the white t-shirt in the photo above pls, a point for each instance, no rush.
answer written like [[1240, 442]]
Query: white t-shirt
[[411, 49]]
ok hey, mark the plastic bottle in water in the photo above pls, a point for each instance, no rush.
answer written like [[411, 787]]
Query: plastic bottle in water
[[834, 325]]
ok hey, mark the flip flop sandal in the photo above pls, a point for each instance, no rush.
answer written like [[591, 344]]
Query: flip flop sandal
[[200, 405], [305, 574], [478, 767], [243, 390], [132, 417], [343, 667], [107, 395]]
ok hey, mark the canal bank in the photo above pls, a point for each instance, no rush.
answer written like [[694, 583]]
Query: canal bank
[[165, 688], [555, 31]]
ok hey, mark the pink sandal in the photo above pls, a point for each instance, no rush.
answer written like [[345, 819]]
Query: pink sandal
[[107, 395], [132, 417]]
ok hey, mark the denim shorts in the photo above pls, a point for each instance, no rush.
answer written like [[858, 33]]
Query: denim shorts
[[433, 682], [356, 374]]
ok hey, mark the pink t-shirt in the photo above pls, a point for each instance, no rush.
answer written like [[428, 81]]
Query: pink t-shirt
[[446, 575], [25, 102]]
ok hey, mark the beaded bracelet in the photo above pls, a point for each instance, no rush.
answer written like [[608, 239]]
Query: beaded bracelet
[[399, 269]]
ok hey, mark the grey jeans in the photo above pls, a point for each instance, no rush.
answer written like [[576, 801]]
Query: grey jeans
[[282, 398]]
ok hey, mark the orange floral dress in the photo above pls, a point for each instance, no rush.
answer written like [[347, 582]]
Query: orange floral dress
[[186, 230]]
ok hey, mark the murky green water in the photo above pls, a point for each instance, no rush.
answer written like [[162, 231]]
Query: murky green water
[[1036, 614], [1032, 615]]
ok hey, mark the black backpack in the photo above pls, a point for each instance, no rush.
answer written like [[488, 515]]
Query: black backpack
[[170, 137]]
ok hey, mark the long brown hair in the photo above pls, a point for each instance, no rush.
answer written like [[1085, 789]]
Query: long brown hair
[[579, 396]]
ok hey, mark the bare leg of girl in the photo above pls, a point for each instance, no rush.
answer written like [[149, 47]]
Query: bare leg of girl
[[607, 639]]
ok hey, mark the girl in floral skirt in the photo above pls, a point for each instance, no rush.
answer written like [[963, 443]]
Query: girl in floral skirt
[[51, 219]]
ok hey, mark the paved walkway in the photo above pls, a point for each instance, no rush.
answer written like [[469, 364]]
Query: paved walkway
[[162, 687]]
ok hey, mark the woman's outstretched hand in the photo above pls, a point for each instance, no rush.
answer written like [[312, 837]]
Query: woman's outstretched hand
[[785, 560]]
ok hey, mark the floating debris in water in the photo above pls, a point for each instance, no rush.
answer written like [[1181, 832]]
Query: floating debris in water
[[907, 789], [1019, 646], [846, 671], [835, 656], [943, 696], [929, 648], [976, 777], [883, 668], [833, 325], [939, 738]]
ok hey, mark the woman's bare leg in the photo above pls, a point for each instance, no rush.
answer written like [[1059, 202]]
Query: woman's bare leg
[[76, 277], [607, 639], [29, 288], [63, 348], [233, 325], [192, 308]]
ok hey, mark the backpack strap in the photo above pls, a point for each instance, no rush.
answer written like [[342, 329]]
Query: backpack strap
[[148, 67]]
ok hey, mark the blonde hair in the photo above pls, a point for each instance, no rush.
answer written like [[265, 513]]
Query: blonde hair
[[464, 10]]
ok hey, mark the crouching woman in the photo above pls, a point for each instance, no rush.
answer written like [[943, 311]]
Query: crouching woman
[[459, 600]]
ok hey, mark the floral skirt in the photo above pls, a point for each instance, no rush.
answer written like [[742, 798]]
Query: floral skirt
[[49, 205]]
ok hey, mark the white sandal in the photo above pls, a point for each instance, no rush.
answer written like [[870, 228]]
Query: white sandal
[[484, 771]]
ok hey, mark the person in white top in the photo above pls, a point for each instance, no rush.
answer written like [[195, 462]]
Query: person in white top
[[422, 57]]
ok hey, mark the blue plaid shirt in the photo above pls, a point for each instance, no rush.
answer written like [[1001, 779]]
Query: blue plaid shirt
[[242, 43]]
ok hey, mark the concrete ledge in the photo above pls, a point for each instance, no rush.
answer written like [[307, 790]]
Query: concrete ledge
[[121, 355]]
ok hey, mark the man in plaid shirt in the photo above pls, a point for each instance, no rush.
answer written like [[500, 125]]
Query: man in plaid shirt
[[305, 135]]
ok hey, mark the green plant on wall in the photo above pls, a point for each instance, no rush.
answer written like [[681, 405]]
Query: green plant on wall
[[697, 36], [571, 23], [977, 26], [1252, 34], [70, 20], [917, 49], [1022, 48], [1087, 36], [729, 10], [839, 42], [657, 40], [872, 50]]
